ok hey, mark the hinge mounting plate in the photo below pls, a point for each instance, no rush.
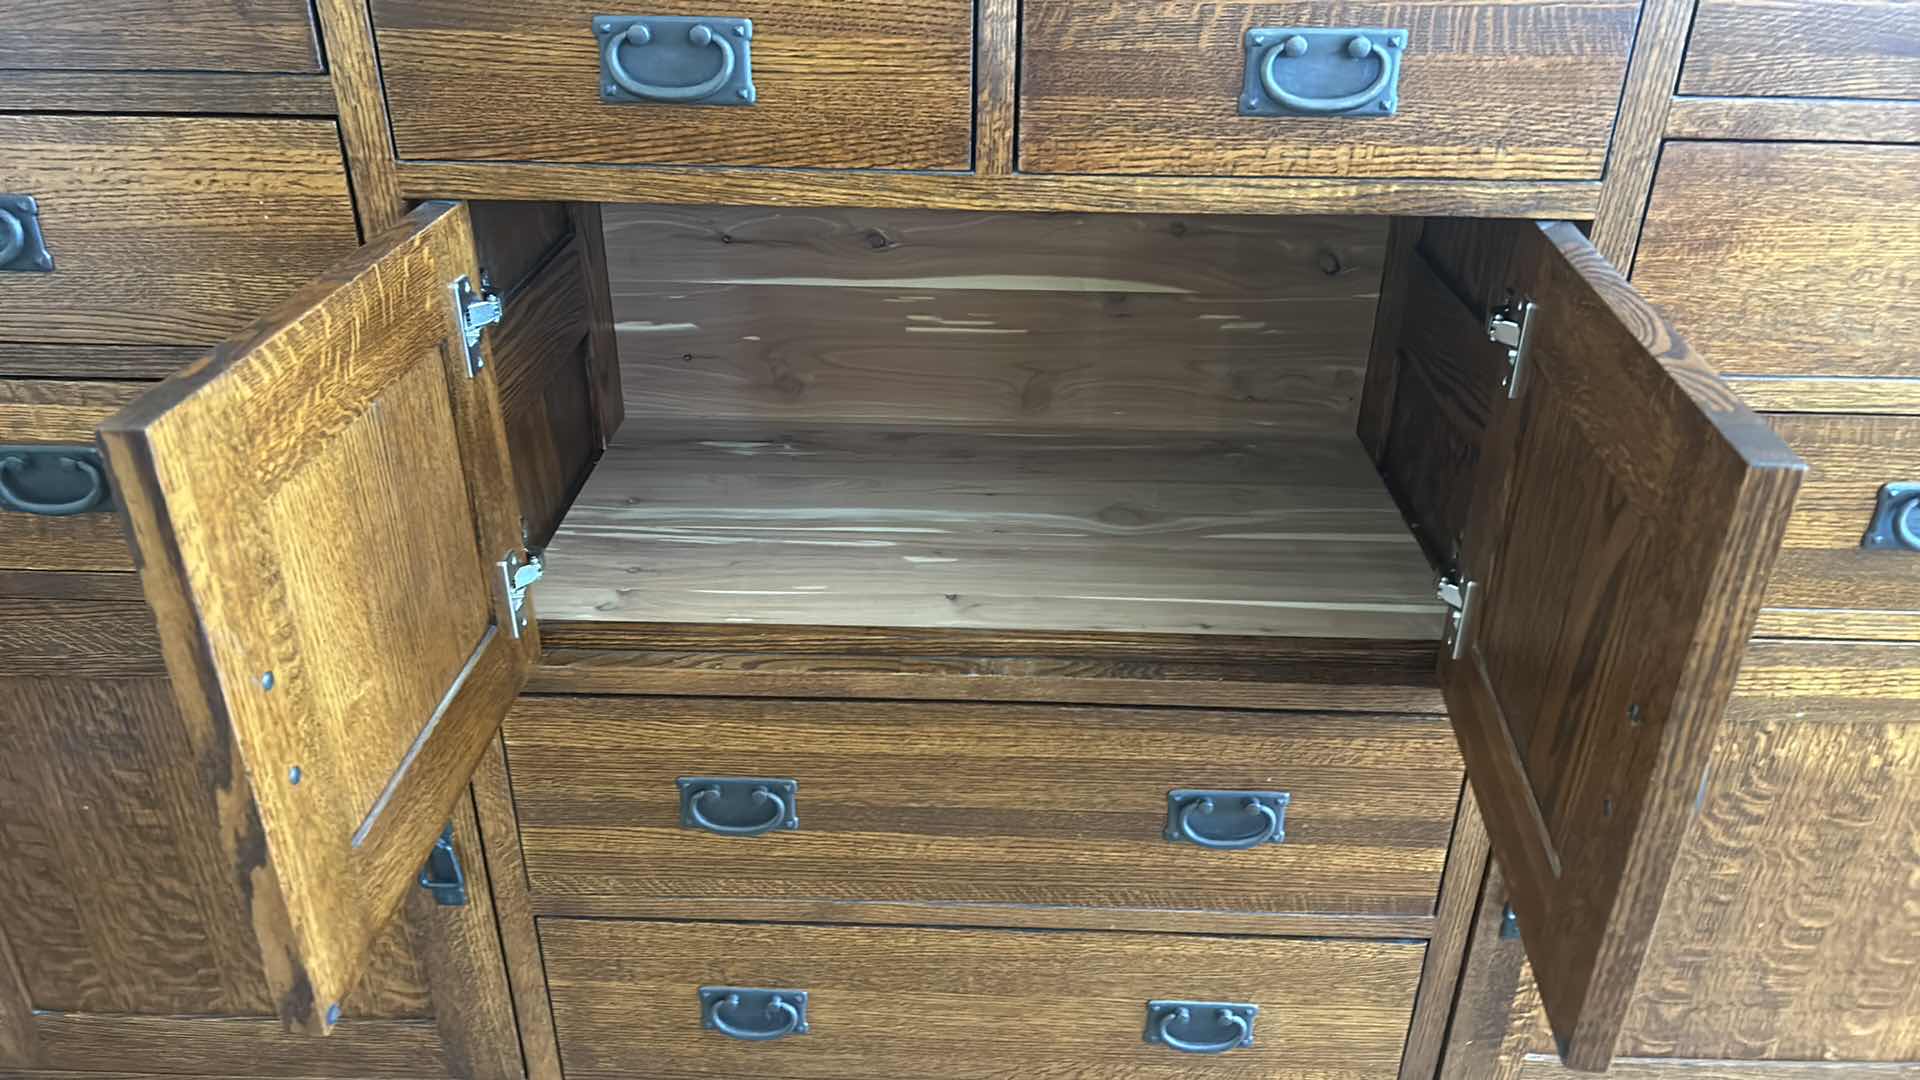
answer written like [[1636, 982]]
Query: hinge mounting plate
[[442, 875], [518, 570], [1462, 595], [476, 311], [1512, 325]]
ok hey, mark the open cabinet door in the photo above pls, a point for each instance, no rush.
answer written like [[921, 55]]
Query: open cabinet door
[[321, 510], [1623, 516]]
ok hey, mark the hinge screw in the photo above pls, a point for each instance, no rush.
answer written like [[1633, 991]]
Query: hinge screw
[[266, 680], [1257, 38], [1636, 715], [333, 1013], [293, 775]]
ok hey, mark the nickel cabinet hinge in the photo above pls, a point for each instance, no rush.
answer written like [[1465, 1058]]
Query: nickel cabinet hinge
[[1462, 595], [476, 311], [517, 570], [1512, 325]]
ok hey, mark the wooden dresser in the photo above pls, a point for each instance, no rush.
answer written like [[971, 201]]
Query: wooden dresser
[[971, 539]]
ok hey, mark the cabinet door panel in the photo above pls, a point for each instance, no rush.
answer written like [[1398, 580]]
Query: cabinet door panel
[[318, 509]]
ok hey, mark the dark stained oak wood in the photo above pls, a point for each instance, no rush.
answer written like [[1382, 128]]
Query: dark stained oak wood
[[1077, 194], [1658, 45], [1803, 48], [1812, 249], [342, 541], [365, 131], [1454, 914], [882, 84], [1152, 86], [155, 223], [203, 1047], [115, 36], [19, 1044], [50, 637], [513, 910], [996, 86], [1794, 120], [1822, 568], [924, 526], [513, 240], [42, 412], [1626, 512], [603, 353], [69, 360], [1491, 1029], [1111, 323], [1374, 419], [988, 804], [160, 92], [1548, 1068], [887, 1002], [71, 585]]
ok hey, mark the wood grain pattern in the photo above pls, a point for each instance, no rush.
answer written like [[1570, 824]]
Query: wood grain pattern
[[1152, 86], [926, 527], [1490, 1030], [996, 86], [1804, 48], [1893, 395], [160, 35], [157, 224], [19, 1044], [1075, 194], [1822, 567], [34, 413], [65, 636], [1547, 1068], [877, 85], [369, 507], [203, 1047], [603, 353], [1102, 668], [1454, 914], [1659, 43], [513, 910], [166, 92], [365, 133], [67, 360], [885, 1002], [1108, 323], [1799, 285], [988, 804], [1794, 120], [1626, 514]]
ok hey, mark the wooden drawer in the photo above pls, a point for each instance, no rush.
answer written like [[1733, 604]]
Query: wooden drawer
[[1803, 48], [879, 84], [1787, 258], [1153, 86], [146, 35], [980, 804], [1825, 584], [890, 1002], [60, 412], [169, 230]]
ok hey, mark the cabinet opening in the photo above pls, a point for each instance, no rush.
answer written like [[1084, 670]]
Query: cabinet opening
[[939, 419]]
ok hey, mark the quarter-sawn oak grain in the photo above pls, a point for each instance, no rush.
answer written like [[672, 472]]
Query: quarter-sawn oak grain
[[59, 412], [111, 36], [1804, 48]]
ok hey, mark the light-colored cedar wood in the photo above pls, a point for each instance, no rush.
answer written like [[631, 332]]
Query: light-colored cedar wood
[[865, 525], [603, 353], [996, 89], [1153, 86], [513, 911], [323, 500], [997, 665], [1813, 249], [882, 84], [1490, 1030], [354, 65], [1549, 1068], [1658, 45], [1110, 323], [50, 412], [462, 954], [1822, 566], [1626, 512], [1804, 48], [988, 804], [1794, 120], [1374, 418], [163, 92], [1076, 194], [155, 223], [71, 585], [68, 360], [888, 1002], [159, 35], [1453, 924]]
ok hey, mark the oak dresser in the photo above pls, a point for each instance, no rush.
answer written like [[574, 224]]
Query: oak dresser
[[966, 538]]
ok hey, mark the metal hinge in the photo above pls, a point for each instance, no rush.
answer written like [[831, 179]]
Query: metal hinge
[[518, 571], [442, 876], [476, 311], [1463, 597], [1512, 325]]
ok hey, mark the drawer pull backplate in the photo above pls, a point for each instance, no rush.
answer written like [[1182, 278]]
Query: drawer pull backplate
[[1227, 820], [1200, 1027], [1302, 71], [675, 60], [752, 1015], [22, 247], [738, 806], [1896, 519]]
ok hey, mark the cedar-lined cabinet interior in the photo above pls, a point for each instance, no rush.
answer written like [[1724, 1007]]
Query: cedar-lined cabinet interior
[[1245, 427]]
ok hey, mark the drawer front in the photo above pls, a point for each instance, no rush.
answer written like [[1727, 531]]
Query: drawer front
[[1825, 584], [63, 413], [1152, 86], [989, 804], [1788, 258], [891, 1002], [169, 230], [171, 35], [880, 84], [1803, 48]]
